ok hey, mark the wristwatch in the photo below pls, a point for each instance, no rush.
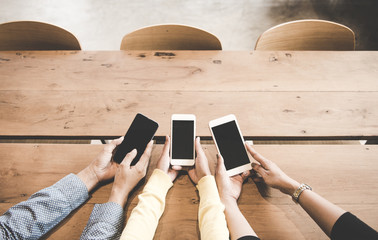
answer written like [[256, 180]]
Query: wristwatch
[[299, 190]]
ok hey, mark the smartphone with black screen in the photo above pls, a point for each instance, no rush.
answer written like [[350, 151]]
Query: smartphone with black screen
[[230, 144], [139, 134], [183, 131]]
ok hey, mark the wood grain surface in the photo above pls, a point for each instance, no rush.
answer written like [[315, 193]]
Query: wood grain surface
[[269, 114], [326, 95], [190, 70], [345, 175]]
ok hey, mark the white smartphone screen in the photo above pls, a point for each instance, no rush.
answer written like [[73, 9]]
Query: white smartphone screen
[[182, 139], [230, 145]]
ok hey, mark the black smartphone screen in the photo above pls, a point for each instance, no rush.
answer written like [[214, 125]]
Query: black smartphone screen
[[140, 133], [182, 139], [230, 145]]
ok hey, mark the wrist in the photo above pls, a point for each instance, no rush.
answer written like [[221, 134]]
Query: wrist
[[229, 201], [202, 178], [203, 175], [230, 205], [290, 187], [119, 196], [89, 178]]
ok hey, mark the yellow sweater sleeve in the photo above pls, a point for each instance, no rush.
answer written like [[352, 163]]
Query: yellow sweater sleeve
[[211, 218], [145, 216]]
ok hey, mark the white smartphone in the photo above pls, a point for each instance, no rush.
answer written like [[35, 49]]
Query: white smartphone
[[183, 132], [230, 144]]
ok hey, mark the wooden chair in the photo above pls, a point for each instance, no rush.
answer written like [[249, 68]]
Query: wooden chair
[[28, 35], [309, 34], [170, 37]]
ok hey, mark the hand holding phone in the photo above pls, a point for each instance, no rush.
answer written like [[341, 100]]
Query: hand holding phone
[[164, 163], [201, 168], [230, 144], [183, 129], [140, 133]]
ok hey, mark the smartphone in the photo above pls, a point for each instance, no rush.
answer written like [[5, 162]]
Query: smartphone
[[139, 134], [230, 144], [183, 131]]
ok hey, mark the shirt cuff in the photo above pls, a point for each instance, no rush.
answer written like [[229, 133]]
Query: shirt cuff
[[159, 183], [207, 189], [109, 212], [73, 188]]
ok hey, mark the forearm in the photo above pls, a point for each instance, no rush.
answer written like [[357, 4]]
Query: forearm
[[212, 221], [43, 210], [236, 222], [323, 212], [145, 216]]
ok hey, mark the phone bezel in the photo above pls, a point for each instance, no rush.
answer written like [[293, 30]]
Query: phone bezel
[[223, 120], [183, 117]]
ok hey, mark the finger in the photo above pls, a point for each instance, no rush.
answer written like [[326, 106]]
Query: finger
[[129, 158], [144, 159], [177, 168], [165, 151], [245, 175], [199, 149], [117, 141], [258, 179], [221, 169], [202, 164], [173, 174], [253, 172], [257, 156], [113, 144], [258, 168]]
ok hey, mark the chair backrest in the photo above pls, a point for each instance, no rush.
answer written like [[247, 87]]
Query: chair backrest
[[309, 35], [170, 37], [29, 35]]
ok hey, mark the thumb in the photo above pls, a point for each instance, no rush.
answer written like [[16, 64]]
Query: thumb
[[221, 169], [129, 158]]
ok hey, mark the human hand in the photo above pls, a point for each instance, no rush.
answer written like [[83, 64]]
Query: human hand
[[201, 167], [229, 187], [127, 177], [271, 174], [164, 161], [101, 168]]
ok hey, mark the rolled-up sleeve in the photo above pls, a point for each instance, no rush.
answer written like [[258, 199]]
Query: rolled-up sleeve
[[33, 218]]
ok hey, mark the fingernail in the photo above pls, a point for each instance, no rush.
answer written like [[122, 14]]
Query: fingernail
[[134, 150]]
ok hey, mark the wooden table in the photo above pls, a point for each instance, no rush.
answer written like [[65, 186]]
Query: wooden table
[[344, 174], [275, 95], [319, 95]]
